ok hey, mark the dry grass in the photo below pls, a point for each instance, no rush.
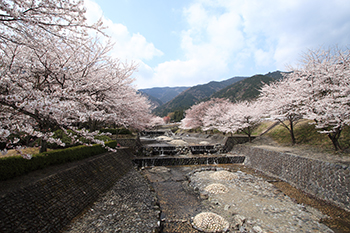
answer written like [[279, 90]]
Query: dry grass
[[307, 136], [262, 127], [28, 150]]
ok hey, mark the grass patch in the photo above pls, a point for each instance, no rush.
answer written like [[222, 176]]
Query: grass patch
[[262, 127], [306, 134], [28, 150]]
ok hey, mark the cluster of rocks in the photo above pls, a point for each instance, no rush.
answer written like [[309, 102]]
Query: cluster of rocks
[[251, 204], [210, 222]]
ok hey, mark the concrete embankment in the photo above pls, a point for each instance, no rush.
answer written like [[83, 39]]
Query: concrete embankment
[[49, 204]]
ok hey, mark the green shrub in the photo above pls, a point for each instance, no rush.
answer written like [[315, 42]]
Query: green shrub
[[13, 166], [68, 141], [116, 131]]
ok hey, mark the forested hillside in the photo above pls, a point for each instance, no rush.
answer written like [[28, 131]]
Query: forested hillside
[[193, 95], [164, 94], [246, 89], [234, 89], [154, 102]]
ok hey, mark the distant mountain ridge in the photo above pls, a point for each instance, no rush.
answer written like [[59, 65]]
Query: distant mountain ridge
[[235, 89], [277, 74], [246, 89], [155, 102], [193, 95], [164, 94]]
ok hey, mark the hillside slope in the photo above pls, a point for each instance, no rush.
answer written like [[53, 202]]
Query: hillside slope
[[193, 95], [246, 89], [155, 102], [164, 94]]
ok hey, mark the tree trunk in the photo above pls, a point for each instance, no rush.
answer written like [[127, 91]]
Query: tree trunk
[[250, 138], [43, 146], [290, 129], [92, 125], [292, 132], [249, 134], [334, 138]]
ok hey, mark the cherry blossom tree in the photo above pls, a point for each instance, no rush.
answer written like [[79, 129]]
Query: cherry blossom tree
[[231, 117], [194, 115], [155, 121], [21, 20], [166, 119], [282, 101], [215, 115], [53, 75], [245, 116], [317, 90], [60, 85], [325, 81]]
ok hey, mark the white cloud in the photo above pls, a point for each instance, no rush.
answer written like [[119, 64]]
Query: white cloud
[[207, 44], [224, 38], [259, 36], [126, 45]]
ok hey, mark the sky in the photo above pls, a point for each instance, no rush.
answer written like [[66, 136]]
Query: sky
[[191, 42]]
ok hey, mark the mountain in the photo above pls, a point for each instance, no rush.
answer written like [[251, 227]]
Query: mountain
[[193, 95], [277, 74], [155, 102], [246, 89], [164, 94]]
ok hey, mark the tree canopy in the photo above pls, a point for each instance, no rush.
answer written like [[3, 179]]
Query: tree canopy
[[55, 75]]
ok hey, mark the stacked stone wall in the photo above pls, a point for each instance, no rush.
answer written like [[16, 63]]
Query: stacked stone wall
[[132, 143], [235, 140], [327, 181], [49, 204]]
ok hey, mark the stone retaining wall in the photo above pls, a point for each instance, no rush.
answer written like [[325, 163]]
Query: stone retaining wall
[[327, 181], [49, 204], [235, 140], [132, 143]]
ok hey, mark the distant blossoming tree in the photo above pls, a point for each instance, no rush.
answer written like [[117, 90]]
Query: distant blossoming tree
[[166, 119], [215, 115], [155, 121], [194, 115], [246, 116], [230, 117]]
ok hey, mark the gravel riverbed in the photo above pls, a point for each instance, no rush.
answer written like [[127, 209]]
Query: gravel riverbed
[[130, 206], [251, 204]]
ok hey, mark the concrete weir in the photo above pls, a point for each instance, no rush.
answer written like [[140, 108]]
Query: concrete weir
[[188, 160]]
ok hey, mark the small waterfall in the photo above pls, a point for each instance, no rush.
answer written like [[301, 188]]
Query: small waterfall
[[176, 161], [162, 152]]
